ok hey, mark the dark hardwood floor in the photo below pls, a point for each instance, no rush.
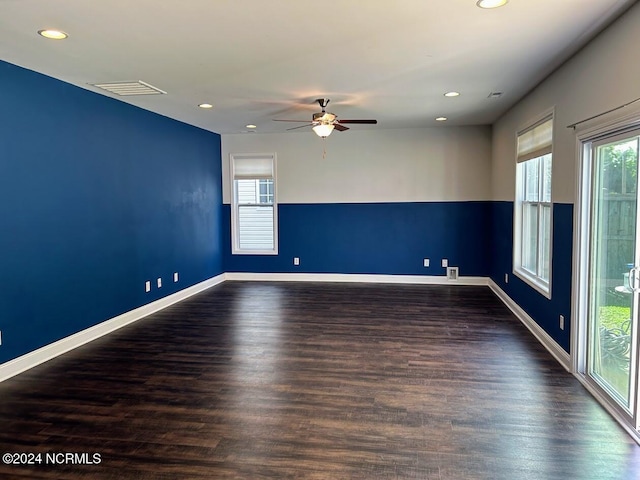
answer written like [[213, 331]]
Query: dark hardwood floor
[[314, 381]]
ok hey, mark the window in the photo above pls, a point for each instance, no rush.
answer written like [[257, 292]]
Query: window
[[533, 207], [254, 209]]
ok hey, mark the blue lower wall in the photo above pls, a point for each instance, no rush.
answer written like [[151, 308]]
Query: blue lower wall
[[97, 197], [544, 311], [374, 238]]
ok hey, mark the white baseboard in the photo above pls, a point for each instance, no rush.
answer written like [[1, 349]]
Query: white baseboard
[[354, 277], [41, 355], [543, 337]]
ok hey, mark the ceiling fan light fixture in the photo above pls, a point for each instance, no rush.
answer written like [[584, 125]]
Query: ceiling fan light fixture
[[323, 129], [491, 3]]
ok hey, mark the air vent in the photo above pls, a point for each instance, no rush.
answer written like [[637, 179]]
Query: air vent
[[452, 273], [125, 89]]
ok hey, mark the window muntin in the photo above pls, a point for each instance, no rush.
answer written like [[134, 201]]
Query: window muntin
[[265, 191]]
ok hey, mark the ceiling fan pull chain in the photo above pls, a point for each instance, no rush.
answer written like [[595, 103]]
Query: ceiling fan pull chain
[[324, 147]]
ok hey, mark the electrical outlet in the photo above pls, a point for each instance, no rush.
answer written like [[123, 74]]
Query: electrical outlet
[[175, 277], [425, 262], [147, 286], [296, 260], [506, 278], [561, 322], [159, 283], [445, 262]]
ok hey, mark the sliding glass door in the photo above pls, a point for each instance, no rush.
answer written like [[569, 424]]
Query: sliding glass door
[[613, 279]]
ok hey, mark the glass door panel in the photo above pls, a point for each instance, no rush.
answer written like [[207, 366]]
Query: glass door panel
[[614, 281]]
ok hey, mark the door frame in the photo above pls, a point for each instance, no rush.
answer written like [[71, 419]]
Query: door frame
[[581, 265]]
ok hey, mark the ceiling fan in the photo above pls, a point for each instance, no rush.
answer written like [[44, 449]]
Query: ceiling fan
[[323, 123]]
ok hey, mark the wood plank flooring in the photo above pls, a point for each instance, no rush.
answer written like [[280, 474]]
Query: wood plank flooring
[[315, 381]]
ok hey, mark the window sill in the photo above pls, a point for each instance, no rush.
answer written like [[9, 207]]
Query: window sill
[[254, 252], [544, 288]]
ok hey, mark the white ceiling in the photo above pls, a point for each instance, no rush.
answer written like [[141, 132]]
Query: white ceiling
[[256, 60]]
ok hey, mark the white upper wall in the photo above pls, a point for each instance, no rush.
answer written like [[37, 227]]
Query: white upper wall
[[604, 75], [377, 165]]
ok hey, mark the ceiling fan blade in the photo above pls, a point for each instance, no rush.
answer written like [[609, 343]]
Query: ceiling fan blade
[[362, 122], [340, 128], [299, 121], [301, 126]]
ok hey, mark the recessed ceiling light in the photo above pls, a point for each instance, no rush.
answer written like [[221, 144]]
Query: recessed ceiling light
[[205, 105], [491, 3], [53, 34], [452, 94], [441, 119], [251, 125]]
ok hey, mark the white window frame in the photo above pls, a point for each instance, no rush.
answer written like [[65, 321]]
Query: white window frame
[[533, 279], [235, 226]]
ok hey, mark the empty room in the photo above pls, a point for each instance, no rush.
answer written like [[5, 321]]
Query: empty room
[[272, 240]]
